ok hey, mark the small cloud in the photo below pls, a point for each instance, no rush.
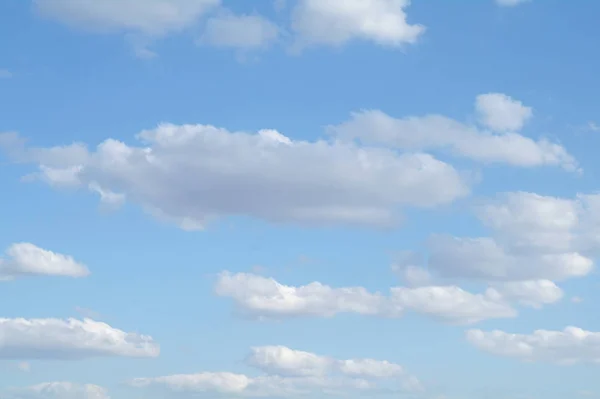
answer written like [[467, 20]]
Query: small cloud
[[576, 299], [592, 126], [5, 74]]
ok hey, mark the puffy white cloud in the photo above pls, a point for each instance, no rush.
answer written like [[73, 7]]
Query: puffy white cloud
[[192, 174], [292, 372], [334, 23], [484, 259], [244, 32], [25, 259], [533, 293], [262, 297], [149, 17], [281, 360], [570, 346], [498, 111], [534, 238], [57, 390], [69, 339]]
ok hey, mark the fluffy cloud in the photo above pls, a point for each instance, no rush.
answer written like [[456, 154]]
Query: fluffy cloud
[[292, 372], [570, 346], [497, 112], [239, 31], [25, 259], [266, 298], [191, 174], [149, 17], [500, 112], [334, 23], [57, 390], [535, 240], [69, 339]]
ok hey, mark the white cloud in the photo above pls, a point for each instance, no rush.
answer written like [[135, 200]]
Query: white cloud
[[533, 293], [5, 74], [437, 132], [533, 237], [69, 339], [192, 174], [149, 17], [281, 360], [485, 259], [570, 346], [57, 390], [25, 259], [245, 32], [510, 3], [262, 297], [500, 112], [335, 23], [292, 372]]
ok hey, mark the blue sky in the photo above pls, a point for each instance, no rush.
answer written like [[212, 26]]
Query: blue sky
[[234, 199]]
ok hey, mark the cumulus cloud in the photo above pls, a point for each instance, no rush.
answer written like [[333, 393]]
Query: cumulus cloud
[[500, 112], [69, 339], [497, 142], [262, 297], [335, 23], [57, 390], [534, 239], [570, 346], [292, 372], [192, 174], [25, 259], [245, 32]]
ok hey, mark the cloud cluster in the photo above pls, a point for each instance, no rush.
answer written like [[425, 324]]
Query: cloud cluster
[[57, 390], [570, 346], [26, 259], [261, 297], [496, 140], [69, 339], [536, 241], [313, 23], [293, 372]]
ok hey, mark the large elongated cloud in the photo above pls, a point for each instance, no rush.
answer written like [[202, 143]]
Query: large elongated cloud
[[266, 298], [70, 339], [496, 140], [25, 259], [57, 390], [290, 372], [151, 17], [570, 346], [191, 174]]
